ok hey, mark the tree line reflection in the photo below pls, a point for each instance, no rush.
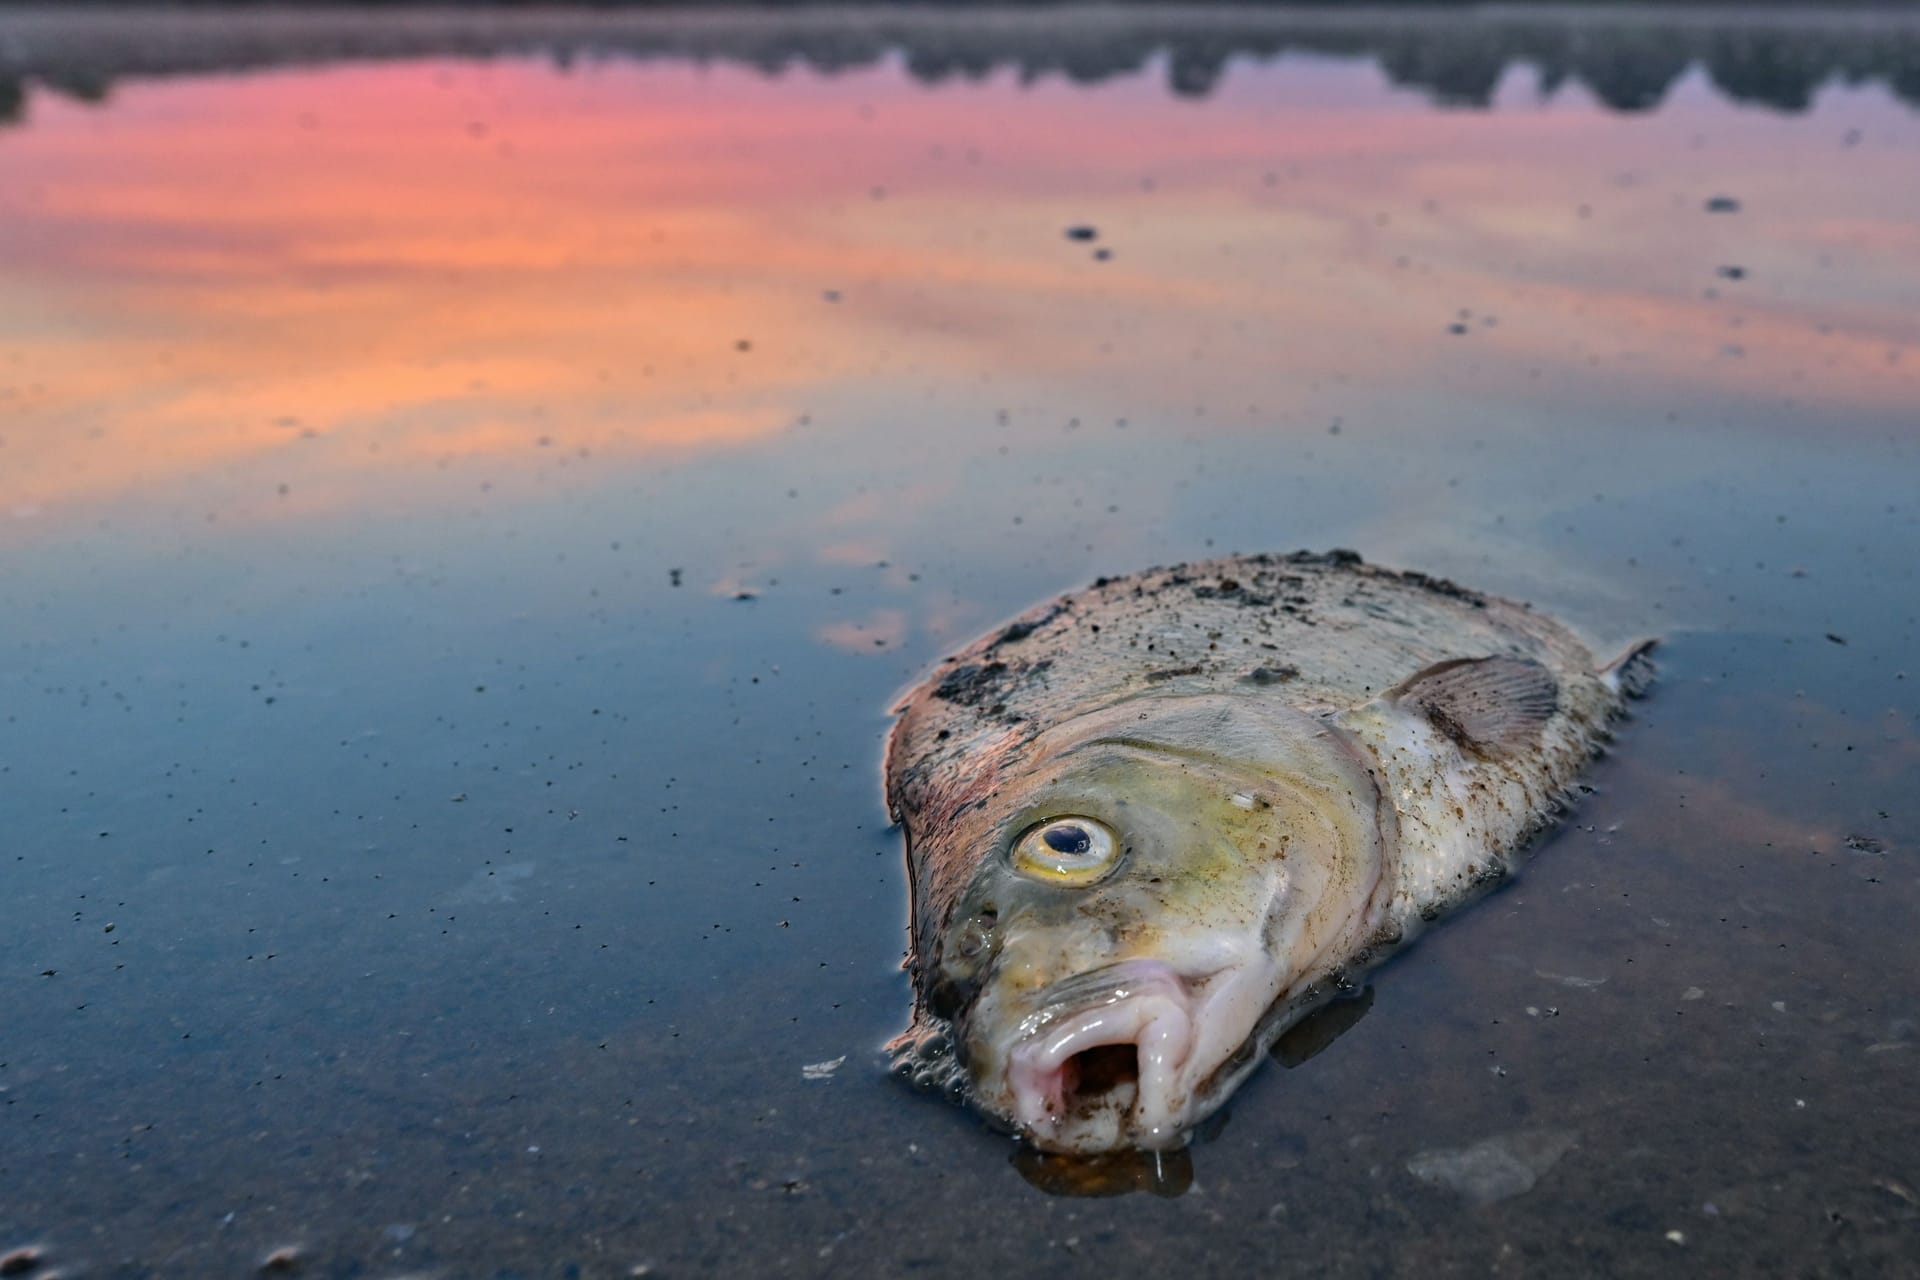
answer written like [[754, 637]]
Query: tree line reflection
[[1457, 59]]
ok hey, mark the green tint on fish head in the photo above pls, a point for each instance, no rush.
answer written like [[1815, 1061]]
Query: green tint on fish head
[[1159, 875]]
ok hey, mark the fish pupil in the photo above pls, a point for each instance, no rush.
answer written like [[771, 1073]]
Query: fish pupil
[[1067, 838]]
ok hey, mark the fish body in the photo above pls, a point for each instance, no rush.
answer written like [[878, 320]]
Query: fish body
[[1153, 823]]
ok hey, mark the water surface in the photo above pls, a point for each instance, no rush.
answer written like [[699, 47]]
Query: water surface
[[465, 509]]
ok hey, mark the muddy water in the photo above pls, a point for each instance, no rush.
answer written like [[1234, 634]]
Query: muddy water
[[469, 491]]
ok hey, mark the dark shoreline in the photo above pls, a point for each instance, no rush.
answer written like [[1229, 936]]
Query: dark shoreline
[[1629, 57]]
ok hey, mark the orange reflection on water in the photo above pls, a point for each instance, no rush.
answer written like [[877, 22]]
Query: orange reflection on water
[[351, 272]]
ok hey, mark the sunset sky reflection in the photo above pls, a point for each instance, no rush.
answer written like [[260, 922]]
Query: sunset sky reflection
[[335, 275]]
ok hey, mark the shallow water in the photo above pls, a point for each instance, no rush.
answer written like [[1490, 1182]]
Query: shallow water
[[469, 493]]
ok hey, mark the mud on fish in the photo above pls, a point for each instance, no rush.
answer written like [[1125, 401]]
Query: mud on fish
[[1152, 824]]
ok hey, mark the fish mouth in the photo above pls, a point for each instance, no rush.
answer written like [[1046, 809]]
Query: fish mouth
[[1103, 1062]]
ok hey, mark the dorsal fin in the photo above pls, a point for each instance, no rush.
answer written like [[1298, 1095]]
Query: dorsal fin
[[1490, 706], [1631, 673]]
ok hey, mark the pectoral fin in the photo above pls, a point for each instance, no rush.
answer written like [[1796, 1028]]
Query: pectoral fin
[[1490, 706]]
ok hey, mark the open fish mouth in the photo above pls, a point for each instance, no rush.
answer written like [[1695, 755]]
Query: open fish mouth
[[1103, 1063]]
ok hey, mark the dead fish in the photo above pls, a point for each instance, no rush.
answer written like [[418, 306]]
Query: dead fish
[[1154, 823]]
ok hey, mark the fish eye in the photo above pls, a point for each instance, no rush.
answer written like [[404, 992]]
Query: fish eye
[[1066, 850]]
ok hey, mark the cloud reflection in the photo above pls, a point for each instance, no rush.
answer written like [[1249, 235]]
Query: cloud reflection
[[313, 278]]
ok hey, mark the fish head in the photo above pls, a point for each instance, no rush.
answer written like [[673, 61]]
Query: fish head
[[1152, 881]]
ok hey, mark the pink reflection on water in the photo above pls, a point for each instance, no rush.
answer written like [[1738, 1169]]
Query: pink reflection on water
[[354, 273]]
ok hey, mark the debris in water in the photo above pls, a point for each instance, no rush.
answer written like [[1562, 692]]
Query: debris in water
[[1723, 204], [821, 1070], [1497, 1169], [1569, 979], [1898, 1190], [281, 1261], [17, 1262]]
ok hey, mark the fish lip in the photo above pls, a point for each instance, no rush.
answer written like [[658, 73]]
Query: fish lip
[[1146, 1003], [1079, 993]]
